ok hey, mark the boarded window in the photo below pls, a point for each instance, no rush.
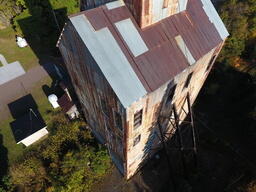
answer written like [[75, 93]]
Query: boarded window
[[211, 63], [118, 120], [171, 94], [137, 119], [136, 140], [188, 80]]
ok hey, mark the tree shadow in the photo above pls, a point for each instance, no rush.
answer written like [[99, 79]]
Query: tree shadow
[[3, 160], [41, 29]]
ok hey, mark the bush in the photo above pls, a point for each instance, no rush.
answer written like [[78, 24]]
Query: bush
[[30, 174], [70, 159]]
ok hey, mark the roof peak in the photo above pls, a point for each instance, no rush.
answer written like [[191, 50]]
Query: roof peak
[[145, 12]]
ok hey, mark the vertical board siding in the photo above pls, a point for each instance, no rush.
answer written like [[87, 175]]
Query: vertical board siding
[[91, 87], [150, 104]]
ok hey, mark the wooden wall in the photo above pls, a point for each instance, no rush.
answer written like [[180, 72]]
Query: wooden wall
[[136, 155], [99, 103]]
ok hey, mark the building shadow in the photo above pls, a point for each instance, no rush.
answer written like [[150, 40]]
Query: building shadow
[[88, 4], [41, 30], [3, 160], [226, 142], [28, 120]]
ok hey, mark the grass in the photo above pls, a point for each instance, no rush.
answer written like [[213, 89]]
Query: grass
[[44, 107], [12, 52]]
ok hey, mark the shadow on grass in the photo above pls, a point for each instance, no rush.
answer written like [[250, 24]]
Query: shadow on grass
[[41, 28], [3, 160]]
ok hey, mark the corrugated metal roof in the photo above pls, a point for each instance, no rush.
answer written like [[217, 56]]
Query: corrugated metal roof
[[115, 4], [215, 18], [131, 37], [136, 61], [111, 60]]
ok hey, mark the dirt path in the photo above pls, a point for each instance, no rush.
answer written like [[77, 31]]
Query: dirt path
[[16, 88]]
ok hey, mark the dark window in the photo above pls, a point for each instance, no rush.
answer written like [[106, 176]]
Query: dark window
[[171, 94], [137, 119], [136, 140], [188, 80], [118, 120], [210, 63], [104, 107]]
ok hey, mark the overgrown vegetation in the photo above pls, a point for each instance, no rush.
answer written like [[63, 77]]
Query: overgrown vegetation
[[239, 52], [240, 49], [232, 87], [8, 9], [70, 159]]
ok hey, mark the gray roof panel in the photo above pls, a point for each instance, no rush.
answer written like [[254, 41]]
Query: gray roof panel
[[111, 60]]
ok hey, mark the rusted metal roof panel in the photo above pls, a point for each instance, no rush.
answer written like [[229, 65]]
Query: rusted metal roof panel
[[151, 55], [111, 60]]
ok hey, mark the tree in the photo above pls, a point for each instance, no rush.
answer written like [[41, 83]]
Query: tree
[[8, 9], [30, 174]]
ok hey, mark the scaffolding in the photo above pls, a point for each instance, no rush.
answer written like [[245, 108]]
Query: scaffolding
[[177, 126]]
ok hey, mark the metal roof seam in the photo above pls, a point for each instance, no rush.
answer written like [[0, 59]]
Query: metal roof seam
[[128, 50]]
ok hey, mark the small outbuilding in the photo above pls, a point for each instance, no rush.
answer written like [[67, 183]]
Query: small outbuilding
[[29, 128], [68, 106]]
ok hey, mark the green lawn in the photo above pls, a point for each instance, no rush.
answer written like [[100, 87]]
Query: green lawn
[[13, 53], [44, 107]]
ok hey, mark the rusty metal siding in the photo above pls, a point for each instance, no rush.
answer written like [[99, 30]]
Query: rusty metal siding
[[138, 155], [157, 69], [91, 87], [148, 12]]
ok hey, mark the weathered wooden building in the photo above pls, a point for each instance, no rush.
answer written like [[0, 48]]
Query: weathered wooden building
[[133, 62]]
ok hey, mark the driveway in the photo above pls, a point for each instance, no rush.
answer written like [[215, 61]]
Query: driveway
[[9, 71], [19, 86]]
